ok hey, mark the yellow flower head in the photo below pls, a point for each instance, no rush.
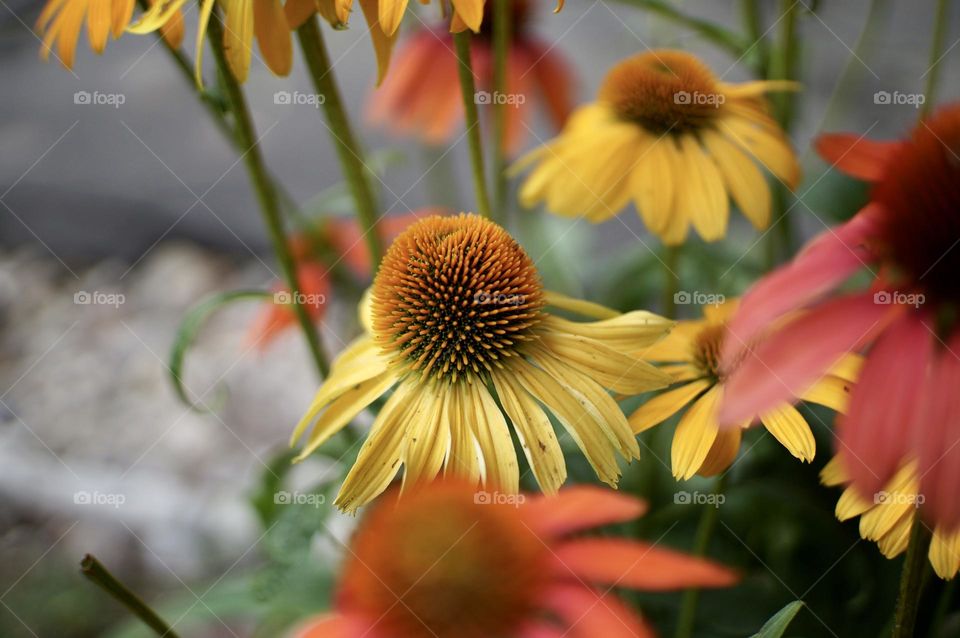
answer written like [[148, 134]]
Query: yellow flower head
[[887, 517], [670, 136], [691, 354], [61, 21], [455, 323]]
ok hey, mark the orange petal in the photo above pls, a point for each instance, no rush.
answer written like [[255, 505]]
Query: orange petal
[[336, 626], [589, 614], [625, 563], [856, 155], [580, 507]]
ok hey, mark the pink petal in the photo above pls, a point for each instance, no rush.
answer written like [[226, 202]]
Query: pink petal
[[624, 563], [335, 626], [542, 630], [939, 440], [589, 614], [579, 508], [855, 155], [789, 361], [877, 432], [827, 261]]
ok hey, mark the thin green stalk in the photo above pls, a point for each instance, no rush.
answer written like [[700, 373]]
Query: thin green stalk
[[716, 34], [753, 23], [501, 50], [469, 90], [936, 47], [911, 580], [671, 281], [96, 573], [266, 192], [348, 149], [705, 529]]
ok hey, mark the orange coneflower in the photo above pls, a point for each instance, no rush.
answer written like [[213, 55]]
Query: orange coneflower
[[668, 135], [422, 95], [905, 404], [60, 22], [446, 561]]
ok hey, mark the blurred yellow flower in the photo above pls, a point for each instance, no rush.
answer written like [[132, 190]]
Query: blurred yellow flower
[[667, 134], [60, 23], [887, 518], [454, 319], [691, 355]]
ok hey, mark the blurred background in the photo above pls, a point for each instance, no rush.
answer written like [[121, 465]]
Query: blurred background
[[146, 209]]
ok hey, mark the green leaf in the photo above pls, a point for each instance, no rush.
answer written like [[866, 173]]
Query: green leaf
[[777, 625], [190, 327]]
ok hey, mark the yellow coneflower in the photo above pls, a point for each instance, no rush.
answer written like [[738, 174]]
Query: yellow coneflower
[[668, 135], [455, 323], [61, 21], [887, 520], [691, 354], [243, 19]]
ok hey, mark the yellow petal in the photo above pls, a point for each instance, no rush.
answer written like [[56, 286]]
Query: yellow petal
[[654, 183], [463, 459], [945, 554], [156, 16], [344, 409], [629, 332], [579, 306], [833, 473], [238, 37], [610, 368], [173, 31], [758, 87], [791, 430], [851, 504], [533, 427], [743, 179], [273, 35], [722, 453], [428, 439], [206, 10], [98, 23], [677, 346], [771, 150], [894, 542], [391, 13], [663, 406], [66, 29], [695, 435], [382, 39], [703, 197], [120, 16], [501, 468], [471, 12], [848, 368], [830, 391]]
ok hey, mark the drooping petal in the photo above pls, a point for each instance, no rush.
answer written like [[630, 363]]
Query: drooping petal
[[945, 554], [382, 38], [501, 468], [589, 614], [939, 439], [273, 35], [655, 182], [856, 155], [428, 439], [886, 408], [695, 435], [238, 37], [643, 566], [703, 198], [722, 453], [579, 508], [390, 13], [830, 391], [787, 363], [471, 12], [98, 23], [579, 306], [629, 332], [463, 459], [787, 425], [742, 177], [664, 405], [767, 144]]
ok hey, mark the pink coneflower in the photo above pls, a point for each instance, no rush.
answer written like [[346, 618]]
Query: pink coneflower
[[445, 561], [906, 404], [421, 96]]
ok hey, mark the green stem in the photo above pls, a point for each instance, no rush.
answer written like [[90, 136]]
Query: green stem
[[96, 573], [671, 281], [501, 51], [705, 529], [469, 90], [266, 192], [911, 580], [720, 36], [754, 26], [933, 70], [348, 149]]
